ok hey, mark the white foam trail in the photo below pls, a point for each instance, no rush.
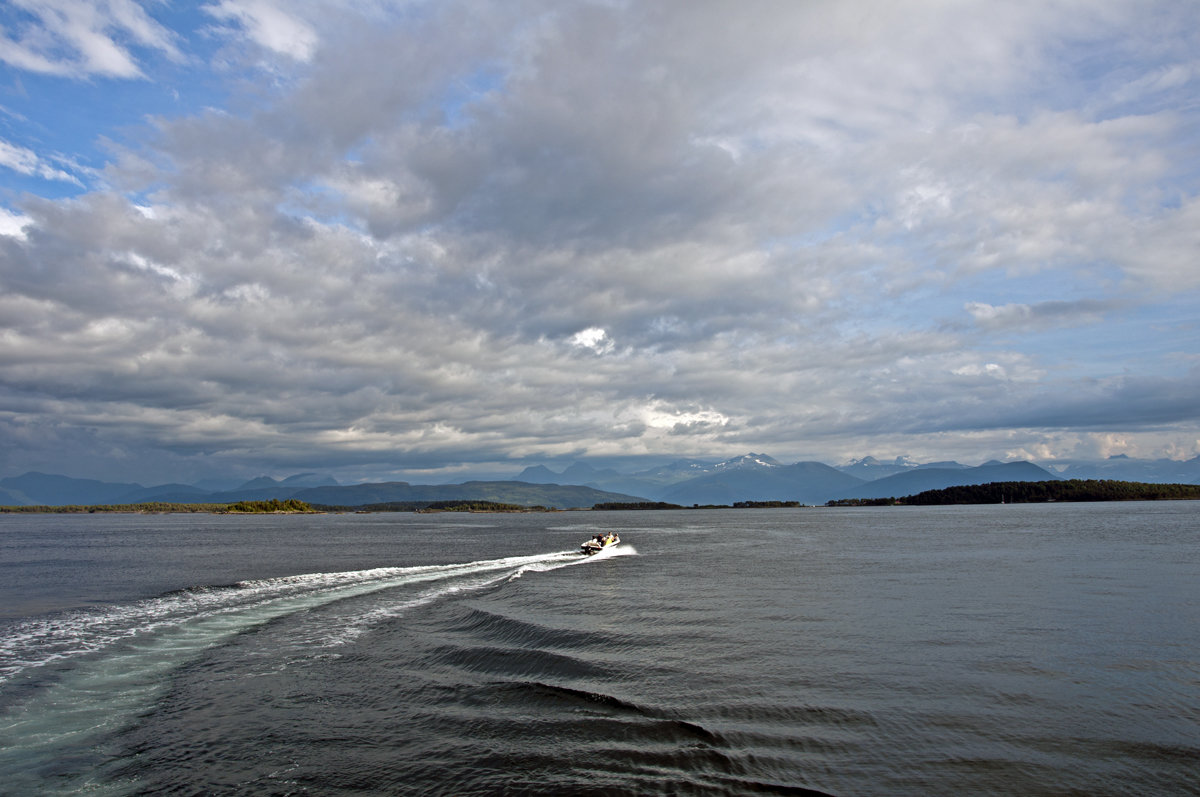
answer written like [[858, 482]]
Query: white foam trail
[[351, 630], [624, 549], [123, 654], [44, 641]]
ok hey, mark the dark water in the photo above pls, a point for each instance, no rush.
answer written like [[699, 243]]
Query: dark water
[[1049, 649]]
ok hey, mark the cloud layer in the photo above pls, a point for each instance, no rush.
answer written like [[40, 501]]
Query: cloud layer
[[430, 238]]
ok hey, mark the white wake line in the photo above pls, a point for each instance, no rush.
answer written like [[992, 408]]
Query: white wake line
[[92, 698], [352, 629], [40, 642]]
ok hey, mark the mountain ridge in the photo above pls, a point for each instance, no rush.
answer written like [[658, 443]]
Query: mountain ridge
[[750, 477]]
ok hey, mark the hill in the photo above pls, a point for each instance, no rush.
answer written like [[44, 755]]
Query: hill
[[1123, 468], [808, 482], [500, 492], [758, 477], [1058, 490], [750, 477], [52, 490], [919, 480]]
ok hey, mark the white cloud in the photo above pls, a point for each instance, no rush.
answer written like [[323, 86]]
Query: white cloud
[[594, 338], [81, 38], [13, 224], [267, 24], [26, 161], [661, 415], [1042, 315], [985, 369]]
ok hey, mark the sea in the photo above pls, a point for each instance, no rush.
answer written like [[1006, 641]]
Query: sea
[[1048, 649]]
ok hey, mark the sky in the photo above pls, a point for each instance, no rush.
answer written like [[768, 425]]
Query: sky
[[394, 239]]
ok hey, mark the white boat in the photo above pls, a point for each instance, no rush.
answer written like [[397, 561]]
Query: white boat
[[600, 542]]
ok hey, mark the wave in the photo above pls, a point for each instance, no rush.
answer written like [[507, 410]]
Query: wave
[[41, 641], [614, 744], [84, 674]]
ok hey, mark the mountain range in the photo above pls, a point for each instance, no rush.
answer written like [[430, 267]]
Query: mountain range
[[751, 477], [758, 477], [41, 489]]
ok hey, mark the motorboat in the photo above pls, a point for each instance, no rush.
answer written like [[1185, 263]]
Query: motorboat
[[600, 542]]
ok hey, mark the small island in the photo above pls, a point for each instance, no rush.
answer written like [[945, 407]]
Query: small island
[[272, 507], [1036, 493]]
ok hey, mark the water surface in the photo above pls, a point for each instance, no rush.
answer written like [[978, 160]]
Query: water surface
[[1050, 649]]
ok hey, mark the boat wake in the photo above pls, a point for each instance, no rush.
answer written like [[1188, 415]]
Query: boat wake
[[624, 549], [87, 673]]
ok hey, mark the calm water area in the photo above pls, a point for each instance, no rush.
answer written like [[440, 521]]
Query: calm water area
[[1016, 649]]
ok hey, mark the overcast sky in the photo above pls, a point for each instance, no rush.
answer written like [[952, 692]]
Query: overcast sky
[[426, 240]]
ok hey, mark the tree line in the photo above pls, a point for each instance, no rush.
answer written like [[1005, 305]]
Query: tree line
[[272, 506], [1036, 493]]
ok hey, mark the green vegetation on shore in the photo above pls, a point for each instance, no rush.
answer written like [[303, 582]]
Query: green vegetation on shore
[[274, 506], [656, 505], [638, 505], [1036, 493], [436, 506]]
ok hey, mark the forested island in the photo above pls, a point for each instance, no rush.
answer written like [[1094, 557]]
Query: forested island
[[1036, 493]]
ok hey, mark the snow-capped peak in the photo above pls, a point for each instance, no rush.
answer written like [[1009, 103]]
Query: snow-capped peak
[[750, 460]]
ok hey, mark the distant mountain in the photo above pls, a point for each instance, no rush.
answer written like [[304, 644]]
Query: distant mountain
[[217, 485], [538, 474], [750, 477], [677, 471], [262, 488], [582, 473], [260, 483], [310, 480], [40, 488], [505, 492], [751, 461], [919, 480], [53, 490], [759, 477], [1123, 468], [166, 493], [648, 483], [754, 478], [14, 498], [668, 483], [870, 469]]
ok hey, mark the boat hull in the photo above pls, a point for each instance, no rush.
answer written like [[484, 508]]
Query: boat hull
[[593, 547]]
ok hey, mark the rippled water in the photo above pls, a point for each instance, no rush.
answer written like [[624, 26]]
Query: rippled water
[[1049, 649]]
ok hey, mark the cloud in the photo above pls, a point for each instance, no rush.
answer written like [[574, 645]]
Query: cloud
[[268, 25], [1125, 404], [80, 38], [594, 338], [448, 233], [1042, 315], [12, 224], [26, 161]]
